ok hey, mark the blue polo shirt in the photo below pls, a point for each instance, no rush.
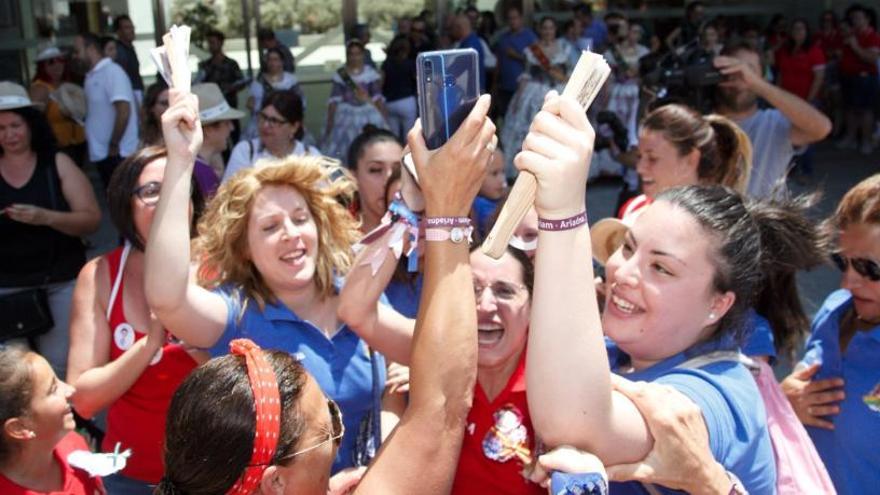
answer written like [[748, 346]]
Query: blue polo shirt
[[760, 337], [473, 41], [597, 33], [341, 365], [735, 418], [510, 69], [404, 296], [851, 451]]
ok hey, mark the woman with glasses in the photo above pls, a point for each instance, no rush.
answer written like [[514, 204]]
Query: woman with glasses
[[499, 441], [121, 358], [280, 122], [835, 389], [272, 242], [272, 78], [51, 73]]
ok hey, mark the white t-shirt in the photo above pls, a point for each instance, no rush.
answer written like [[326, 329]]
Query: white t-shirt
[[246, 153], [105, 84]]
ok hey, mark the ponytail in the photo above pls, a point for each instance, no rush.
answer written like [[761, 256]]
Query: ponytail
[[734, 154], [790, 241], [725, 150]]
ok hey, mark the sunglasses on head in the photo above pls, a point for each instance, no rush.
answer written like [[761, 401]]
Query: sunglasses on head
[[863, 266]]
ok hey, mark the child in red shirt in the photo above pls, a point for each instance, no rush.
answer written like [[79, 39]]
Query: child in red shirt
[[38, 432]]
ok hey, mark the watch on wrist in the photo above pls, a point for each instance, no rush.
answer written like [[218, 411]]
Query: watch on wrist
[[456, 234]]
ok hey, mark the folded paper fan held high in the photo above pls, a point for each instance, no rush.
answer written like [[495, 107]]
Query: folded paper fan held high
[[584, 84], [172, 58]]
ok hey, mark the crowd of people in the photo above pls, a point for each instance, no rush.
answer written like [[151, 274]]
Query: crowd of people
[[292, 313]]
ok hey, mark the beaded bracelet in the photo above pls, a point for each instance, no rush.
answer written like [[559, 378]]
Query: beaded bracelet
[[564, 224]]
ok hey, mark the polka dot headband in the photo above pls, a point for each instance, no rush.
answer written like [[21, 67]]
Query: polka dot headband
[[267, 408]]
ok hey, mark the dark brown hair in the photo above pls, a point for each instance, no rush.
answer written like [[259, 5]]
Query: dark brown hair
[[151, 128], [289, 105], [209, 436], [121, 188], [725, 150], [760, 245], [16, 384]]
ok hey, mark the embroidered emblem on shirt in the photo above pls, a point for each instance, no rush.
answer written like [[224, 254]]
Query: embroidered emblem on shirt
[[508, 438]]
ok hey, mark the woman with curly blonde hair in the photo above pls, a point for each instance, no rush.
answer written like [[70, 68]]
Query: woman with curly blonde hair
[[271, 245]]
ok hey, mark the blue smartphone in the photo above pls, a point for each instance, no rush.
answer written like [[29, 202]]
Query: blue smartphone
[[448, 84]]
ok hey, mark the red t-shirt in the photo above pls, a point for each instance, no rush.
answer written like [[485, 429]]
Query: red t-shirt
[[797, 70], [850, 63], [76, 481], [498, 437], [137, 419]]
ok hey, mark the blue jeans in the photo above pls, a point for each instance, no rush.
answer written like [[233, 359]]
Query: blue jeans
[[117, 484]]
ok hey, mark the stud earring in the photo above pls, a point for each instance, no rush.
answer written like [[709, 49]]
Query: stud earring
[[712, 316]]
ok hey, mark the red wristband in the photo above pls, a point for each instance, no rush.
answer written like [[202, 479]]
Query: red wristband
[[564, 224], [447, 222]]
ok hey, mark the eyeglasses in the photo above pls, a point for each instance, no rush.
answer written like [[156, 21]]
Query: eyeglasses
[[864, 267], [149, 192], [502, 291], [335, 436], [270, 121]]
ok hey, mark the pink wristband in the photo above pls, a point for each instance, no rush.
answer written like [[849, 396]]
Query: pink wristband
[[564, 224], [447, 222]]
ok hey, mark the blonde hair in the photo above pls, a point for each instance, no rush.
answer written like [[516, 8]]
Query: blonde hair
[[222, 245], [725, 149]]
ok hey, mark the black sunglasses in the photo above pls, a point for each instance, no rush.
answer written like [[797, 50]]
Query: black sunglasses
[[864, 267]]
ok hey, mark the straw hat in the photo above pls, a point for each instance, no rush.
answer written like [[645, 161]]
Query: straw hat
[[13, 96], [72, 100], [213, 107], [49, 53]]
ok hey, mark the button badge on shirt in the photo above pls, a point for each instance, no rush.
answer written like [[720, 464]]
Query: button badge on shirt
[[508, 438], [123, 336]]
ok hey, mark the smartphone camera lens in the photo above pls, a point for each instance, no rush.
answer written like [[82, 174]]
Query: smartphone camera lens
[[429, 70]]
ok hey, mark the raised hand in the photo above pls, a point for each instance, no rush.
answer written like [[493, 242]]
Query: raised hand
[[451, 175], [181, 126], [557, 151]]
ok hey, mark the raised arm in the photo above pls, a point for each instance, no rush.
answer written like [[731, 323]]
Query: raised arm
[[380, 326], [808, 124], [195, 315], [568, 377], [422, 454]]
